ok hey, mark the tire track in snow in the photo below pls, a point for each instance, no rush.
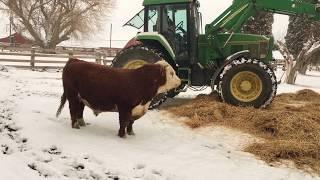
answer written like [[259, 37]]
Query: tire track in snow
[[46, 161], [12, 140]]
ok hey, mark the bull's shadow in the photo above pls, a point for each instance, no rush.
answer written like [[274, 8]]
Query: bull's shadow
[[174, 102]]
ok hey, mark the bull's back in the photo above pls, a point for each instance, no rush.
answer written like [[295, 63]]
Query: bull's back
[[95, 82], [82, 71]]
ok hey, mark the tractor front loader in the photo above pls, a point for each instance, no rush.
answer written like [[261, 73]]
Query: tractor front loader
[[234, 64]]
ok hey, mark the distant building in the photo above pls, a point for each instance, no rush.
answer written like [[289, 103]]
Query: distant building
[[16, 40]]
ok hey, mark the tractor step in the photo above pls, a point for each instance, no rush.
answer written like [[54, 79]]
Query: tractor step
[[185, 75], [184, 89]]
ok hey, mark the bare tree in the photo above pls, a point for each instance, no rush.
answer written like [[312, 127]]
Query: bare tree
[[288, 59], [301, 62], [49, 22]]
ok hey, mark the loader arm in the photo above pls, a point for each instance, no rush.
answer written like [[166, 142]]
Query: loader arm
[[233, 18]]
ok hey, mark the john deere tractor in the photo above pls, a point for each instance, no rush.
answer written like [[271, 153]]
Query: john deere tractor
[[234, 64]]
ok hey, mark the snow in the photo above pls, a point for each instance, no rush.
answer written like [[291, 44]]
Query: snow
[[34, 144], [309, 81], [277, 55]]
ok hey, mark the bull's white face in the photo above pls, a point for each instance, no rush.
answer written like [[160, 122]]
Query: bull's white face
[[172, 80]]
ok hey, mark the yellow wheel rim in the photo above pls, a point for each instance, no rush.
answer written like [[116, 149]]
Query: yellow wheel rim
[[246, 86], [134, 64]]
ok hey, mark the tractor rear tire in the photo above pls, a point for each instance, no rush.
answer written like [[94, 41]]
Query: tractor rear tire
[[135, 57], [247, 82]]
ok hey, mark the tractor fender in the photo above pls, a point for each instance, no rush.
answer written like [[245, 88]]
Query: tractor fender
[[154, 43], [155, 36], [228, 60], [132, 42]]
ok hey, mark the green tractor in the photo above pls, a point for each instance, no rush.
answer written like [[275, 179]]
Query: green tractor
[[234, 64]]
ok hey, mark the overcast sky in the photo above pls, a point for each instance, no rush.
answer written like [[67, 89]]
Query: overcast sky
[[125, 9]]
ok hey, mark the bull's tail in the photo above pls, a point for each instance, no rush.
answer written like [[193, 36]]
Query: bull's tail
[[63, 101]]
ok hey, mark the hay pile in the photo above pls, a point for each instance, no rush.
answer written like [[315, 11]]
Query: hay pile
[[290, 127]]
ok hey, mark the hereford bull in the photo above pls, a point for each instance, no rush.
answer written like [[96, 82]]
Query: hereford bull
[[106, 89]]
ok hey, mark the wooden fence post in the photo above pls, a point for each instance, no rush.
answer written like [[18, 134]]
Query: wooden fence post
[[98, 58], [70, 54], [33, 57], [104, 58]]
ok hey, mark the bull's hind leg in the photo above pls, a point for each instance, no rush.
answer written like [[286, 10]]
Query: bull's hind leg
[[80, 119], [130, 128], [75, 111]]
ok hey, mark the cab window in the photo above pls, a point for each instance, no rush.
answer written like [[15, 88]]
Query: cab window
[[175, 27], [153, 19], [137, 21]]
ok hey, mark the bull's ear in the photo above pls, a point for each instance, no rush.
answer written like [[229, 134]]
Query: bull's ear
[[162, 71], [163, 63]]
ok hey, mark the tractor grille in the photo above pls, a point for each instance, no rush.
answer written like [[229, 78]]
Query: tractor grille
[[254, 50], [264, 47], [258, 51]]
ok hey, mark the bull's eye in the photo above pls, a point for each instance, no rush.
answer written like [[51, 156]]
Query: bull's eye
[[171, 73]]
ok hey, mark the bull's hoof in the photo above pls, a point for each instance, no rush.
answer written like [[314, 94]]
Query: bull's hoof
[[81, 122], [122, 135], [131, 133], [76, 125], [96, 113]]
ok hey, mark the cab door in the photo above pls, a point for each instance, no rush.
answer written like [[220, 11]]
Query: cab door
[[174, 28]]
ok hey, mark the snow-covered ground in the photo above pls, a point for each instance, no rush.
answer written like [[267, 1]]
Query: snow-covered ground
[[34, 144]]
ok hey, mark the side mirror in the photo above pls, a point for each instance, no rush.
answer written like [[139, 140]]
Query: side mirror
[[317, 6], [198, 4]]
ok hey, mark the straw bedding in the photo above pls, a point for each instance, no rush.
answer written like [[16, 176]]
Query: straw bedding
[[290, 127]]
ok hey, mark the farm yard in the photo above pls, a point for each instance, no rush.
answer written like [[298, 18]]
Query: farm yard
[[37, 145]]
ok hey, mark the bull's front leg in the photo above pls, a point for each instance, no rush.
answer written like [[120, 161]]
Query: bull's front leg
[[130, 129], [124, 120]]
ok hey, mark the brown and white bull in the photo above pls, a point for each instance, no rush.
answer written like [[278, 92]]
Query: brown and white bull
[[106, 89]]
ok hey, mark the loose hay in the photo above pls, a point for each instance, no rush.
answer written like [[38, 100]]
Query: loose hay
[[290, 127]]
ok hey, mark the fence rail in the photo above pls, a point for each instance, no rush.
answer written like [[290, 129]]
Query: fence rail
[[42, 58]]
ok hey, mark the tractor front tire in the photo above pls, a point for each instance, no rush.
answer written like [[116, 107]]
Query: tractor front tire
[[135, 57], [247, 82]]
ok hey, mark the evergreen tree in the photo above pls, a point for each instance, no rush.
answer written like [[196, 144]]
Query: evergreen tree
[[260, 24], [302, 41], [301, 30]]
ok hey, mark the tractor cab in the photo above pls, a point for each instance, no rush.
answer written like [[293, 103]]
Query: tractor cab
[[177, 21]]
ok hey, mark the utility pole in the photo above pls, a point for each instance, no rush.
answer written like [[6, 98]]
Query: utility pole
[[10, 31], [111, 35]]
